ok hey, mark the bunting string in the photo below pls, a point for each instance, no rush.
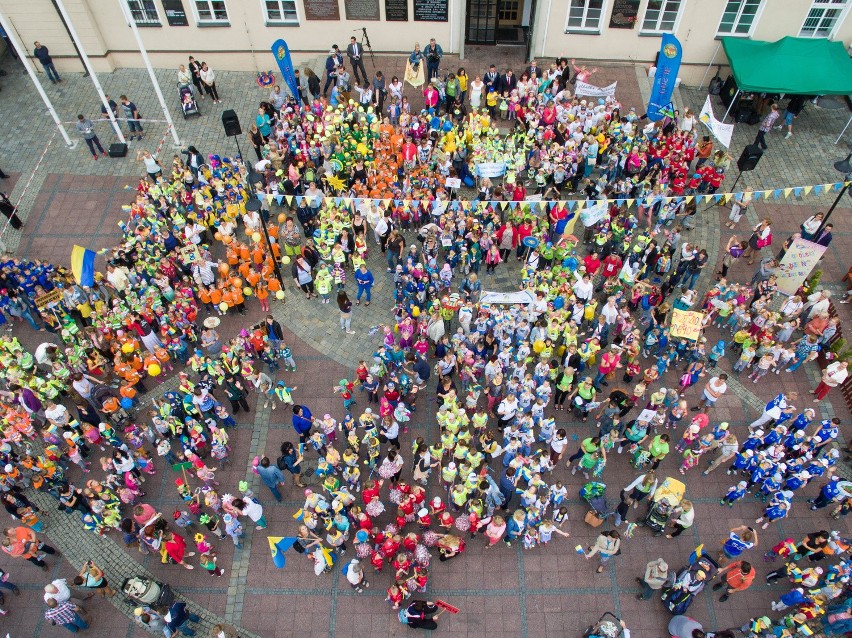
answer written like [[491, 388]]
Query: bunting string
[[776, 194]]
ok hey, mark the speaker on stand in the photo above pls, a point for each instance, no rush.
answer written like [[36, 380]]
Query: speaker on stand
[[748, 161], [231, 124]]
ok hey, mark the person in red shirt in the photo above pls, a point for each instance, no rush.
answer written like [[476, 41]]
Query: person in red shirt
[[679, 184], [611, 267], [716, 179], [592, 263], [693, 184]]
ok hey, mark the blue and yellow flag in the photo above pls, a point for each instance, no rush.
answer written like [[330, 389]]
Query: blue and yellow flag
[[83, 265], [278, 545]]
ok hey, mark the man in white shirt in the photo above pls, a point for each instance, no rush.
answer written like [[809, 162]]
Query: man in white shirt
[[583, 288], [117, 277], [56, 413], [817, 304]]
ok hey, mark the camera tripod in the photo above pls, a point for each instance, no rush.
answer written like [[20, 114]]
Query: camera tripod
[[365, 45]]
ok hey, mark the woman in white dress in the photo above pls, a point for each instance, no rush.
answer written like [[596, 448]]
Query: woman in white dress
[[477, 87]]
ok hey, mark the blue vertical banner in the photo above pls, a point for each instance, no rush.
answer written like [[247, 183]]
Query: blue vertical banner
[[285, 63], [668, 65]]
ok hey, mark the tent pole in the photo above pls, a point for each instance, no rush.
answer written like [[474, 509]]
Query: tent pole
[[843, 131], [712, 60], [734, 99]]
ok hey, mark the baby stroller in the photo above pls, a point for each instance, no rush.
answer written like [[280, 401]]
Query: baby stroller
[[677, 598], [594, 493], [667, 496], [147, 591], [609, 626], [188, 103]]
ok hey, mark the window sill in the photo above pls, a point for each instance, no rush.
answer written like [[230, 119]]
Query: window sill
[[583, 31], [207, 24], [281, 23], [143, 25], [743, 36], [653, 34]]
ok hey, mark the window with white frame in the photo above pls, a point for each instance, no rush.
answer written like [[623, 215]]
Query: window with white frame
[[739, 17], [143, 11], [211, 11], [661, 16], [280, 11], [824, 16], [585, 15]]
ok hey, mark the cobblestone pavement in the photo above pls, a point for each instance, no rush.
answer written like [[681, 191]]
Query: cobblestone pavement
[[507, 592]]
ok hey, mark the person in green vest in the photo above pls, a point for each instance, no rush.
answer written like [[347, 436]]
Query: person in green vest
[[323, 282], [659, 448]]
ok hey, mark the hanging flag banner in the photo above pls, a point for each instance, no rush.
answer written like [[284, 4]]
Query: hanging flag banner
[[668, 66], [686, 324], [589, 90], [722, 132], [285, 63], [798, 262], [593, 213]]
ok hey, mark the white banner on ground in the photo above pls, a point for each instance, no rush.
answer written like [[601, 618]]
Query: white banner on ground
[[722, 132], [521, 296], [798, 262], [590, 90]]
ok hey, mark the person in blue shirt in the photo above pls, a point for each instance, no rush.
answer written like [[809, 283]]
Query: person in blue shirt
[[734, 494], [364, 278], [271, 477], [302, 422], [830, 492]]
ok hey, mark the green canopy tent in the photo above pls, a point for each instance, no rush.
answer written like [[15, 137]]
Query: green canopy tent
[[803, 66]]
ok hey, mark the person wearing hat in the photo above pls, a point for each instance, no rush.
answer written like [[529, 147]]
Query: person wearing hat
[[656, 575], [355, 575]]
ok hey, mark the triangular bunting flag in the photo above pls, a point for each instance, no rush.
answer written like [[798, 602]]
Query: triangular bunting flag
[[299, 199], [580, 204], [260, 197], [503, 205], [571, 203], [630, 202], [798, 191], [619, 202], [386, 202], [787, 192], [513, 205], [689, 198], [279, 199], [717, 197], [289, 199], [728, 197], [776, 193], [269, 199], [818, 189]]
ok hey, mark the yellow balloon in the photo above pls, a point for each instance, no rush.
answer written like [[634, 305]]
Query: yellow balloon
[[415, 312], [223, 307], [538, 346], [285, 259], [255, 237], [279, 295], [247, 291], [127, 348], [361, 148], [154, 370]]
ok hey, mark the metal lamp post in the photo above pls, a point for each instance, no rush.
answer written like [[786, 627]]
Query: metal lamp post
[[844, 167]]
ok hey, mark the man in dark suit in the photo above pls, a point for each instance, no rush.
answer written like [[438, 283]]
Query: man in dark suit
[[507, 82], [824, 237], [334, 60], [533, 70], [356, 52], [491, 78]]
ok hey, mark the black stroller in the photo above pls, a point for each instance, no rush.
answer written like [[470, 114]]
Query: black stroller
[[667, 497], [679, 596], [188, 103]]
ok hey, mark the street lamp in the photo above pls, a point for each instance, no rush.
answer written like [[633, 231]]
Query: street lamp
[[254, 205], [844, 167]]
